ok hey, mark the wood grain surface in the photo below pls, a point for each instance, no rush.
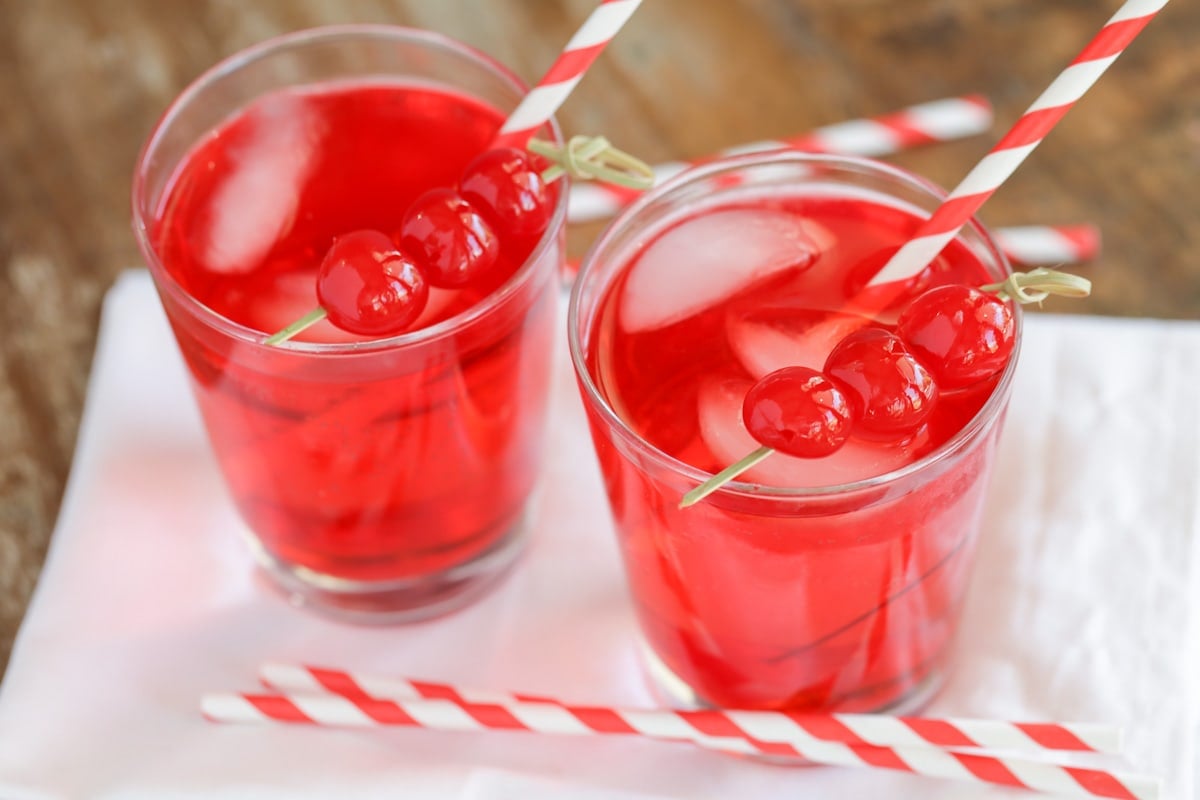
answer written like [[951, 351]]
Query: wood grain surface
[[83, 81]]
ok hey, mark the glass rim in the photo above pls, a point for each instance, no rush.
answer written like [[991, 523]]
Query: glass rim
[[236, 61], [988, 412]]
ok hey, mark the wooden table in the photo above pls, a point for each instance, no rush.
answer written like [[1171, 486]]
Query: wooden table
[[82, 82]]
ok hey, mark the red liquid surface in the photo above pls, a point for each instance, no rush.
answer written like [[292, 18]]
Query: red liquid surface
[[369, 466], [847, 602]]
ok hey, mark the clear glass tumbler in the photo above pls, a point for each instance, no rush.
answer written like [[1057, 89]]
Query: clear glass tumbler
[[840, 597], [380, 481]]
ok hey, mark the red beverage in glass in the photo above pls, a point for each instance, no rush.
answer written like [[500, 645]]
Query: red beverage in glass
[[380, 478], [828, 583]]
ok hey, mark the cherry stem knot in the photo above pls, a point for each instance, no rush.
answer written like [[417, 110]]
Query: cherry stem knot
[[1036, 285], [593, 158]]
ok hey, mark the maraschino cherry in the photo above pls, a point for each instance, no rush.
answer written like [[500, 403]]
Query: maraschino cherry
[[449, 237], [505, 184], [798, 411], [368, 287], [893, 393], [871, 386], [963, 335], [949, 337], [371, 285]]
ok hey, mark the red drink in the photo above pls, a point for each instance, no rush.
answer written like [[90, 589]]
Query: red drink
[[254, 208], [815, 583], [379, 477]]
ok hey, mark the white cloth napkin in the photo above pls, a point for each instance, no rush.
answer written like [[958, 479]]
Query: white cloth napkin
[[1084, 604]]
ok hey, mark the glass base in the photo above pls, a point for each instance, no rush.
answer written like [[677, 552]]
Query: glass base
[[671, 691], [399, 601]]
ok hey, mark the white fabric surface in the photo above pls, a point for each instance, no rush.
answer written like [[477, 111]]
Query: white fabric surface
[[1084, 604]]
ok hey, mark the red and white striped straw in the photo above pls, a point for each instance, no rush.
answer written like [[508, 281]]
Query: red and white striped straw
[[1020, 141], [330, 710], [536, 108], [926, 123], [1048, 245], [770, 727]]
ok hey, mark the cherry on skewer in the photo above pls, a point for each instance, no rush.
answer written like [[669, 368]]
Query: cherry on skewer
[[365, 286], [963, 335], [449, 238], [796, 411], [957, 334], [370, 285], [892, 392], [507, 187], [799, 412]]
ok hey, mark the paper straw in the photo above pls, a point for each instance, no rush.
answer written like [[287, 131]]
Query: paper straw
[[800, 729], [1049, 245], [330, 710], [1020, 141], [926, 123], [536, 108]]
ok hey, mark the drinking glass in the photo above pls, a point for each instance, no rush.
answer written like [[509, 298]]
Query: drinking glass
[[379, 481], [840, 597]]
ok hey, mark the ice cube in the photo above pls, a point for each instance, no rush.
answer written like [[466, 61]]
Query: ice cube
[[705, 260], [722, 429], [256, 203], [801, 340]]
